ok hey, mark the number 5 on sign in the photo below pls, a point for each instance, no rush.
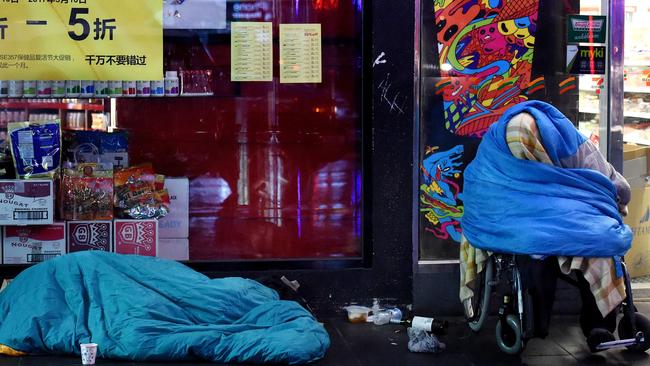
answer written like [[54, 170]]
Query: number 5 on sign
[[97, 40]]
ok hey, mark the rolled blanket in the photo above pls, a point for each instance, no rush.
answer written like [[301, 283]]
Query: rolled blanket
[[532, 208]]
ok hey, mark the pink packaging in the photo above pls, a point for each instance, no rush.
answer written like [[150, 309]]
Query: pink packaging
[[136, 237], [90, 235]]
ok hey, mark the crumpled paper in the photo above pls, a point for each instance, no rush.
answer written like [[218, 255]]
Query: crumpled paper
[[423, 342]]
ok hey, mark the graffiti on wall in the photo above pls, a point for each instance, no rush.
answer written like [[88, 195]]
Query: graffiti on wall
[[486, 56], [440, 192]]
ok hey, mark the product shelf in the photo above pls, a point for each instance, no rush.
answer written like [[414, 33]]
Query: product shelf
[[631, 90], [642, 115], [53, 106]]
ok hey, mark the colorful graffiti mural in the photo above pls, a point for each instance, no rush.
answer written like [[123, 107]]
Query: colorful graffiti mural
[[440, 192], [486, 54]]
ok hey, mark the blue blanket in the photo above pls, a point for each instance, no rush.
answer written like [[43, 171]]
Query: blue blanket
[[527, 207], [141, 308]]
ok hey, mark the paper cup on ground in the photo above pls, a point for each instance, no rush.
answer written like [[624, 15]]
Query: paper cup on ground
[[88, 353]]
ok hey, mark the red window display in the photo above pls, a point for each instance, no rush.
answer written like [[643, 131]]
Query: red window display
[[275, 169]]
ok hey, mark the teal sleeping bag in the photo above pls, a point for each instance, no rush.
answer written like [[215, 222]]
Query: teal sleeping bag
[[140, 308]]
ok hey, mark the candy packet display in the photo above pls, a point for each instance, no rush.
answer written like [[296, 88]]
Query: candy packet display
[[36, 148], [97, 146], [6, 164], [140, 194], [87, 192]]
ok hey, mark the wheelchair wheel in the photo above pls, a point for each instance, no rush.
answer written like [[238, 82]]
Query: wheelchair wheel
[[508, 335], [642, 324], [481, 313]]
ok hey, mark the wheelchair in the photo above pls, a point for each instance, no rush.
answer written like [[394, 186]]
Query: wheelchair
[[515, 324]]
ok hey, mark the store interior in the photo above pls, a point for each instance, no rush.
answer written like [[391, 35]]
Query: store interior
[[273, 170]]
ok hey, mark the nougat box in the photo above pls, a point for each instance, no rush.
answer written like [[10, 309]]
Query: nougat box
[[176, 224], [136, 237], [90, 235], [26, 202], [33, 244], [176, 249]]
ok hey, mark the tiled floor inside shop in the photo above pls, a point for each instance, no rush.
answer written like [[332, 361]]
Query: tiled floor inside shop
[[366, 344]]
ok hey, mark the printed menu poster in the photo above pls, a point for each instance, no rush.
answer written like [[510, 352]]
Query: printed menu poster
[[251, 51], [300, 53]]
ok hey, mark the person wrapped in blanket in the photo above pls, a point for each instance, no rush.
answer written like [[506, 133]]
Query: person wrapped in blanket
[[570, 201]]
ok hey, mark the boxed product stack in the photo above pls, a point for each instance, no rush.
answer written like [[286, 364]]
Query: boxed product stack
[[174, 228], [636, 168], [103, 204], [30, 234], [33, 244], [140, 199]]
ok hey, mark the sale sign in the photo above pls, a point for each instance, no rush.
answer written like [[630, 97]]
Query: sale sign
[[81, 40]]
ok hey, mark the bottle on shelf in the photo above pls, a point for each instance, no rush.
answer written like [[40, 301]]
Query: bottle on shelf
[[87, 89], [116, 88], [73, 88], [143, 88], [4, 88], [44, 88], [58, 88], [435, 326], [172, 84], [101, 89], [129, 88], [29, 88], [15, 88], [158, 88]]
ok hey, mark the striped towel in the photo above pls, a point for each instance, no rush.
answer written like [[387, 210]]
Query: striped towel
[[525, 143]]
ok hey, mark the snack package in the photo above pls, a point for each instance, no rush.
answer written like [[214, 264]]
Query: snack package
[[97, 146], [139, 194], [36, 148], [87, 192], [6, 164]]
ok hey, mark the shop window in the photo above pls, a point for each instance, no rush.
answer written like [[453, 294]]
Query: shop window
[[477, 60], [274, 168], [271, 165]]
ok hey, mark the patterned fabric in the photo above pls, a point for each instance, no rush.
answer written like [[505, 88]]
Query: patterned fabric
[[472, 263], [525, 143]]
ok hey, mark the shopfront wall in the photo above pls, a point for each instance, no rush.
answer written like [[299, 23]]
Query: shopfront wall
[[304, 179], [475, 60]]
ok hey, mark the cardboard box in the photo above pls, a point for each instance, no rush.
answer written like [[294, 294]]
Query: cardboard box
[[136, 237], [176, 249], [176, 224], [26, 202], [639, 182], [638, 218], [90, 235], [637, 167], [631, 151], [33, 244]]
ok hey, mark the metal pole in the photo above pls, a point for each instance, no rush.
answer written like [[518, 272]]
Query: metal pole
[[616, 90]]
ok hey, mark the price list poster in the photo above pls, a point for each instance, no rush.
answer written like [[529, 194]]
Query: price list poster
[[251, 51], [301, 53]]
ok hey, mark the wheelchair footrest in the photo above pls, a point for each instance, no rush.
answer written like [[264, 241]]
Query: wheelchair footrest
[[622, 343]]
